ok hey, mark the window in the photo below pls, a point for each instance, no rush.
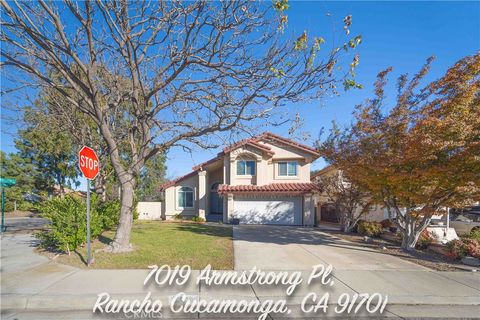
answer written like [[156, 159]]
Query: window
[[185, 197], [245, 167], [287, 169]]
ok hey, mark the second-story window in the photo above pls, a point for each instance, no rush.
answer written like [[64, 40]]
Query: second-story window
[[245, 168], [287, 169]]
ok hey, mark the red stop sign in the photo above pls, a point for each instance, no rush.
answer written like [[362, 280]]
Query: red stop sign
[[88, 163]]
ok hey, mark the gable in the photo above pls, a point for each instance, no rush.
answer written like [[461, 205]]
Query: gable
[[282, 151]]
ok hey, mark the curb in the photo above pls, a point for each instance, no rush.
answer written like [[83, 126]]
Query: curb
[[86, 302]]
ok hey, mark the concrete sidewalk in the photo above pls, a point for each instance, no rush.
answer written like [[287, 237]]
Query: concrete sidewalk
[[34, 287]]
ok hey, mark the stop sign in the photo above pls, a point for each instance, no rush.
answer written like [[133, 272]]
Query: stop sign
[[88, 163]]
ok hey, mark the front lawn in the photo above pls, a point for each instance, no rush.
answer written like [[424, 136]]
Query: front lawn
[[159, 243]]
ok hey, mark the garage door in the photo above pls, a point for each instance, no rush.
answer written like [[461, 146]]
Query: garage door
[[286, 210]]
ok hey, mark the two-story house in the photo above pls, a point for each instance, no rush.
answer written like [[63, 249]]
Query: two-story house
[[259, 180]]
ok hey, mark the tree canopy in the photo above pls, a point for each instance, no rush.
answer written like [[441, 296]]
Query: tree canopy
[[421, 154], [154, 75]]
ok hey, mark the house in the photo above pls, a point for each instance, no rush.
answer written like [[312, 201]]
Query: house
[[325, 211], [260, 180]]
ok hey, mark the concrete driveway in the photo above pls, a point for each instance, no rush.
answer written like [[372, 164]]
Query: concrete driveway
[[300, 248]]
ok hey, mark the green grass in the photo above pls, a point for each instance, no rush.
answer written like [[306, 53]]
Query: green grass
[[159, 243]]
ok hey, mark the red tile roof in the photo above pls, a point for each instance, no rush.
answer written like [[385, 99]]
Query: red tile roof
[[206, 163], [252, 142], [269, 188], [272, 136], [170, 183]]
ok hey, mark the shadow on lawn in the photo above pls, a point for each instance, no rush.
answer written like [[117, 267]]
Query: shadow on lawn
[[104, 239], [208, 230]]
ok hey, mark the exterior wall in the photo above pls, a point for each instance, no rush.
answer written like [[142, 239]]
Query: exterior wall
[[149, 210], [171, 208], [244, 153], [288, 153], [376, 213], [308, 210], [267, 167]]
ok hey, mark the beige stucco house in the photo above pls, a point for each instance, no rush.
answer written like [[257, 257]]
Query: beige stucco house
[[260, 180], [325, 211]]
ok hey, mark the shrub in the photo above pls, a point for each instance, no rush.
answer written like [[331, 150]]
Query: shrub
[[426, 238], [457, 249], [355, 228], [198, 219], [68, 222], [135, 213], [474, 234], [472, 247], [370, 228], [109, 213], [387, 224]]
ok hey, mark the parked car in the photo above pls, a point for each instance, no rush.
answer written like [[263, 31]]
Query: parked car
[[466, 221]]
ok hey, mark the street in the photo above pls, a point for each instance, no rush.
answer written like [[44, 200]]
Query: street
[[33, 287]]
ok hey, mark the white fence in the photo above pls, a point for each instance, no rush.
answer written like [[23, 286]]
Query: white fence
[[149, 210]]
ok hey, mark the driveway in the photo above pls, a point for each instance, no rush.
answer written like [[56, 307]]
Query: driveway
[[300, 248]]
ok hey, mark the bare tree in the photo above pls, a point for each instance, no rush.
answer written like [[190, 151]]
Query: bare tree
[[350, 201], [173, 72]]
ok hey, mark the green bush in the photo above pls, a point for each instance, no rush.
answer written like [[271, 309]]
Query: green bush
[[198, 219], [474, 234], [135, 213], [68, 222], [370, 228], [109, 213]]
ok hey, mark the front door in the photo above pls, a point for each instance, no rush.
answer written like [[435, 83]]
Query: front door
[[216, 202]]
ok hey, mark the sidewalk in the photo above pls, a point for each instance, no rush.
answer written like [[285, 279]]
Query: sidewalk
[[33, 286]]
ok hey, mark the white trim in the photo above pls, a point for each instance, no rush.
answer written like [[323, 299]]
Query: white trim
[[177, 190], [277, 170], [245, 175]]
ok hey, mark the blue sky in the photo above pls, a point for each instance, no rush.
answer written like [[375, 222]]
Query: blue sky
[[397, 34]]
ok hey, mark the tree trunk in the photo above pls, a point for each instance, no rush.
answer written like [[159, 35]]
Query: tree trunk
[[410, 233], [409, 241], [121, 243]]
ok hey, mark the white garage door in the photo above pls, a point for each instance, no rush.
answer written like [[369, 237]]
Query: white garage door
[[286, 210]]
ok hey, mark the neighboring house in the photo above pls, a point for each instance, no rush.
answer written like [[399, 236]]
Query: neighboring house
[[325, 211], [260, 180]]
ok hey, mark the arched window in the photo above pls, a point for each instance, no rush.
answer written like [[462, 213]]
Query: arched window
[[185, 197]]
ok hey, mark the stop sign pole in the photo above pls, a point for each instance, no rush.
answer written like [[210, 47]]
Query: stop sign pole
[[89, 166]]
